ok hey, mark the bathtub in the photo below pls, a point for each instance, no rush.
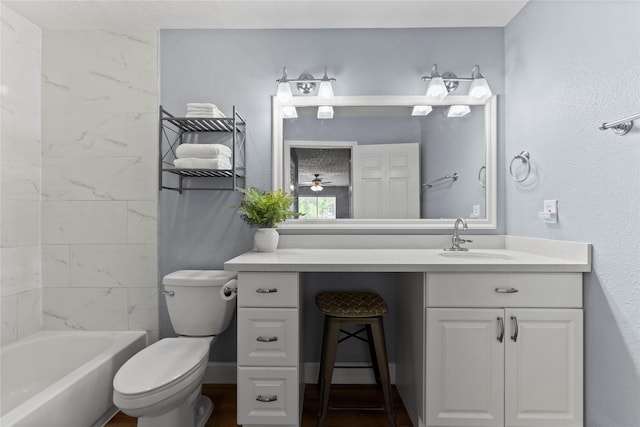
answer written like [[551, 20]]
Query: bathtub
[[63, 378]]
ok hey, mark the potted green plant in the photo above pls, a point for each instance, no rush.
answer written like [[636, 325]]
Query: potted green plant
[[265, 210]]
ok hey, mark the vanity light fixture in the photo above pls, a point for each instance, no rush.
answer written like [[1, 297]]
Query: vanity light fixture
[[440, 86], [436, 88], [479, 88], [325, 112], [458, 111], [421, 110], [306, 84], [325, 92], [284, 90]]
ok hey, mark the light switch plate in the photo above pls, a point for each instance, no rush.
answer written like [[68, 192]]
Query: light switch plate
[[549, 212]]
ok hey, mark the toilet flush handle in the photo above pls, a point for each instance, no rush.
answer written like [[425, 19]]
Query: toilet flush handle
[[168, 293]]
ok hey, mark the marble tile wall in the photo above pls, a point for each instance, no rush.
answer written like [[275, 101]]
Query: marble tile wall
[[99, 180], [20, 166]]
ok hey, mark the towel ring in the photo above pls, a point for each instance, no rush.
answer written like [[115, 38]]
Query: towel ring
[[525, 157], [483, 182]]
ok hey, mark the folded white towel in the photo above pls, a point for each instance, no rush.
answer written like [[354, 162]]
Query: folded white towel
[[203, 151], [195, 163], [205, 115], [204, 110], [200, 105]]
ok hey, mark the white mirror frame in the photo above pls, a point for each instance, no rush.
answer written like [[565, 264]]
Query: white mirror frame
[[277, 159]]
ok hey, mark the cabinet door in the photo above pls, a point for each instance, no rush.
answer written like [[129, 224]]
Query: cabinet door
[[543, 370], [465, 367]]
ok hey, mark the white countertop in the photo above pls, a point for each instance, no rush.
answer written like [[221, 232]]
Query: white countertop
[[403, 260]]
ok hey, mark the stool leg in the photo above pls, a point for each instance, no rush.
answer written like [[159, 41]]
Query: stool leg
[[331, 336], [377, 330], [374, 359], [323, 352]]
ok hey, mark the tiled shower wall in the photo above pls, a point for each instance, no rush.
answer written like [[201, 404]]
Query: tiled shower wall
[[99, 180], [20, 280]]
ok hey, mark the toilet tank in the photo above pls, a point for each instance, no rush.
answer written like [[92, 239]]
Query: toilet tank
[[194, 301]]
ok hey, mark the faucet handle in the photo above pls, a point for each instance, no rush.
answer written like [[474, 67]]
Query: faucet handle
[[459, 239]]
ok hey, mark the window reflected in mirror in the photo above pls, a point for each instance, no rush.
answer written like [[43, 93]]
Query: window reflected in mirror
[[320, 181]]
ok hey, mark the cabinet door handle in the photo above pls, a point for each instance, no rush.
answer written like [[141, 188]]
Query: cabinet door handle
[[267, 290], [267, 339], [501, 327], [266, 398], [514, 337], [506, 291]]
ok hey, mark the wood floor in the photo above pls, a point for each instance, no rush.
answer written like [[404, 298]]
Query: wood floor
[[224, 411]]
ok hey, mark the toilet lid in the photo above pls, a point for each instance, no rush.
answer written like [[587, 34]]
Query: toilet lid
[[160, 365]]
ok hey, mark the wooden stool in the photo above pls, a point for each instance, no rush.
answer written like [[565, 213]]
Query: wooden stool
[[347, 309]]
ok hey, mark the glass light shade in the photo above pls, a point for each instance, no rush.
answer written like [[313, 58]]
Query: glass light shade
[[458, 111], [437, 88], [421, 110], [284, 92], [325, 112], [316, 187], [289, 112], [325, 91], [479, 89]]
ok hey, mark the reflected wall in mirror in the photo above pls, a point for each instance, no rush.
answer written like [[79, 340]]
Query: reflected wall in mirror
[[374, 165]]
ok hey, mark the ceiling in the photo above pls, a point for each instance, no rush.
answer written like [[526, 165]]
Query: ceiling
[[254, 14]]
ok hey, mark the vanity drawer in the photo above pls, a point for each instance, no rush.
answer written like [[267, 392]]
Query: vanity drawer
[[258, 289], [504, 290], [268, 337], [268, 396]]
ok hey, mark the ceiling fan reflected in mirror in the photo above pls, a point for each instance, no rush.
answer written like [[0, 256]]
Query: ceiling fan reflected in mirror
[[316, 183]]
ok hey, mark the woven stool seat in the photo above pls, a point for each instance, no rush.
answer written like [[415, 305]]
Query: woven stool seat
[[351, 304]]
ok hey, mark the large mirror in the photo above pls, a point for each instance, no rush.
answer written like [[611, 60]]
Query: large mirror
[[380, 163]]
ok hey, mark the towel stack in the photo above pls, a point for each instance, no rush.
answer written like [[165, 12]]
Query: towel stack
[[203, 110], [203, 156]]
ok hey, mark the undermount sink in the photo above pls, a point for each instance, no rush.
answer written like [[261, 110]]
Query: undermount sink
[[474, 255]]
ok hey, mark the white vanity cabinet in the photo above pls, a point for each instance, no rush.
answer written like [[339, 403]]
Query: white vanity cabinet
[[504, 349], [269, 373], [459, 359]]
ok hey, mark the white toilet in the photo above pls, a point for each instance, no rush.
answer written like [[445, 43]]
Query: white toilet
[[161, 384]]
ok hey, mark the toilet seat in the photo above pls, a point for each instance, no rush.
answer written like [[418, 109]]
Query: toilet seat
[[160, 371]]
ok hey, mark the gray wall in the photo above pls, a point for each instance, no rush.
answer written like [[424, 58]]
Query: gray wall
[[569, 67], [227, 67]]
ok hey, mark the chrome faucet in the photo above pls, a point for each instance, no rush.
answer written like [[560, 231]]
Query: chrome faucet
[[456, 240]]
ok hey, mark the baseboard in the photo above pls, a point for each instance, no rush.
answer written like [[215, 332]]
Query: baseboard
[[226, 373]]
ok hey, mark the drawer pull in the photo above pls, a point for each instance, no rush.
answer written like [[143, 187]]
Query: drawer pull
[[501, 326], [267, 339], [506, 291], [514, 337], [267, 399], [267, 291]]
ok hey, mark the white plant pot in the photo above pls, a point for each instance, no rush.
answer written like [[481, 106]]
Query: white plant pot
[[266, 239]]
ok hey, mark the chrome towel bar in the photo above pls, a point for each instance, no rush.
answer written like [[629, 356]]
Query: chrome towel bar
[[453, 177], [622, 126]]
